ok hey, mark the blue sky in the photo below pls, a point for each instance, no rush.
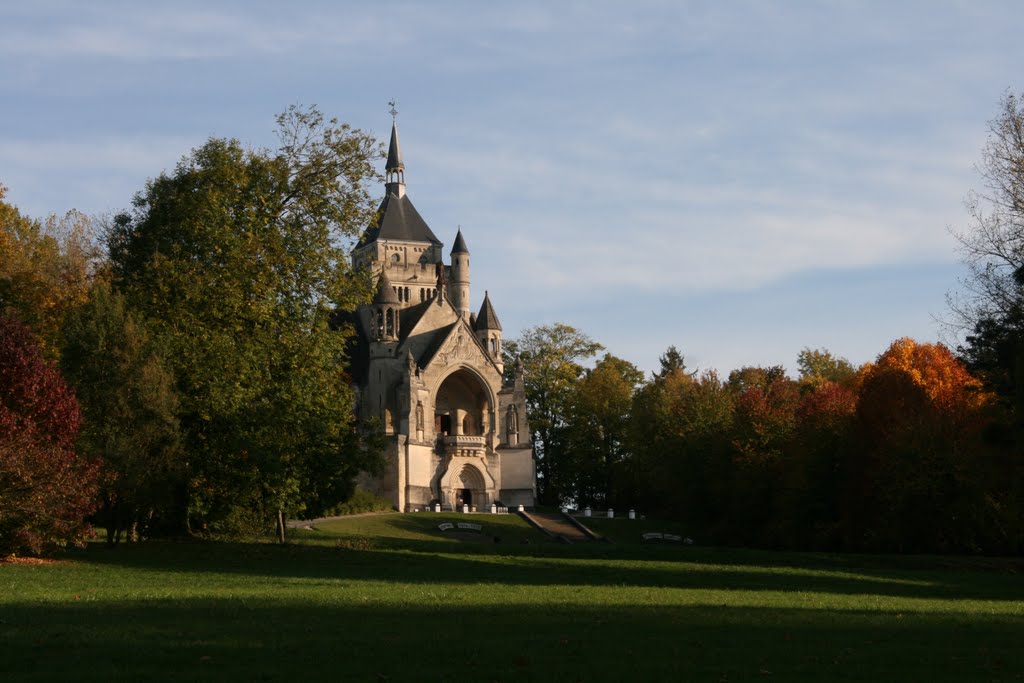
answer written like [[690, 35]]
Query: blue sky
[[739, 179]]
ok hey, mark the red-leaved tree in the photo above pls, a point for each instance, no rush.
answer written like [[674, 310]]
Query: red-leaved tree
[[46, 490]]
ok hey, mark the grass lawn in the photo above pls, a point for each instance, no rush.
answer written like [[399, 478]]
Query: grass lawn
[[391, 598]]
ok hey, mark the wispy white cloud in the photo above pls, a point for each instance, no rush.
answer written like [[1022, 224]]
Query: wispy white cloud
[[114, 153], [587, 147], [185, 31]]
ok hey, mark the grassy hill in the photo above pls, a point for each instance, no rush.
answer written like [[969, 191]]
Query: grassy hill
[[392, 598]]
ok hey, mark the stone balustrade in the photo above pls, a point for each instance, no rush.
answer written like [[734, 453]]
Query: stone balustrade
[[465, 446]]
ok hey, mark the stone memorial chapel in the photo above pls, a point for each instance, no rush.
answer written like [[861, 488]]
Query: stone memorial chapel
[[432, 371]]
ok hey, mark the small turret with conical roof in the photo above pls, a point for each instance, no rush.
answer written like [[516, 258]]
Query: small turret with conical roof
[[460, 244], [385, 291], [488, 330], [460, 275]]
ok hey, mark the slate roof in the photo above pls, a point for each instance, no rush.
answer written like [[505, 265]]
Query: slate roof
[[398, 219], [460, 244], [408, 317], [487, 319]]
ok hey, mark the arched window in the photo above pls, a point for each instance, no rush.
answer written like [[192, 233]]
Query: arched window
[[406, 295], [390, 325], [378, 326]]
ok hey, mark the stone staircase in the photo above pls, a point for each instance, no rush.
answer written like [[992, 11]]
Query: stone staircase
[[558, 526]]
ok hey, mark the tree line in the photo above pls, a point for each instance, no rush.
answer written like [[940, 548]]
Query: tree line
[[905, 454]]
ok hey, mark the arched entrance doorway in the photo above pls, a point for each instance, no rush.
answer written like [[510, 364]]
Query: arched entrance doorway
[[467, 487]]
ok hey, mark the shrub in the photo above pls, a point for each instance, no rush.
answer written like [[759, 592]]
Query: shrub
[[361, 501]]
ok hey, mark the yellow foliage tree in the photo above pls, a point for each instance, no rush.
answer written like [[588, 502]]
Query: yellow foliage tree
[[45, 269]]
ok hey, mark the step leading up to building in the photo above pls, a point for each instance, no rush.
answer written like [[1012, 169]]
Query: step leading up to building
[[558, 526]]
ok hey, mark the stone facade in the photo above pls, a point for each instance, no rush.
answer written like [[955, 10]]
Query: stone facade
[[432, 372]]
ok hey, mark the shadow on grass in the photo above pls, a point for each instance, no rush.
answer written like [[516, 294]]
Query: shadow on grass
[[702, 569], [231, 639]]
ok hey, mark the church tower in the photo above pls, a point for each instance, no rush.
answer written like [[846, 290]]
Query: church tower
[[400, 243]]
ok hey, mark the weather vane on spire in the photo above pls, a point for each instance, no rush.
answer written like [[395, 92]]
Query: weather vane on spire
[[392, 111]]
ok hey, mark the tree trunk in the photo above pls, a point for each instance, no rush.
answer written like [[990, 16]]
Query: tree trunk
[[280, 527]]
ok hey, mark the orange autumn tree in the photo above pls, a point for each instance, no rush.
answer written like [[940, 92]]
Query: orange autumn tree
[[920, 414]]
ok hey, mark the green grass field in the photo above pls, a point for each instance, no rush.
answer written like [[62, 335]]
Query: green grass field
[[391, 598]]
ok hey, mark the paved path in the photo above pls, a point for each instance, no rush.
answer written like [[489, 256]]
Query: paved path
[[303, 523], [557, 525]]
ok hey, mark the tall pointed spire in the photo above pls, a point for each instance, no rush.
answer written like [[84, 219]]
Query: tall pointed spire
[[395, 169], [394, 152]]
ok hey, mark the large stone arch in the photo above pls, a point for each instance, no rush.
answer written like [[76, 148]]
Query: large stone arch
[[467, 401]]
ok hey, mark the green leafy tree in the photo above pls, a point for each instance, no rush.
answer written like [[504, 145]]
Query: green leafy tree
[[750, 377], [681, 442], [129, 408], [598, 430], [237, 260], [819, 365], [551, 356]]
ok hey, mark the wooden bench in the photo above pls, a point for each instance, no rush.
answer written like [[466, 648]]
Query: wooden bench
[[674, 538]]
